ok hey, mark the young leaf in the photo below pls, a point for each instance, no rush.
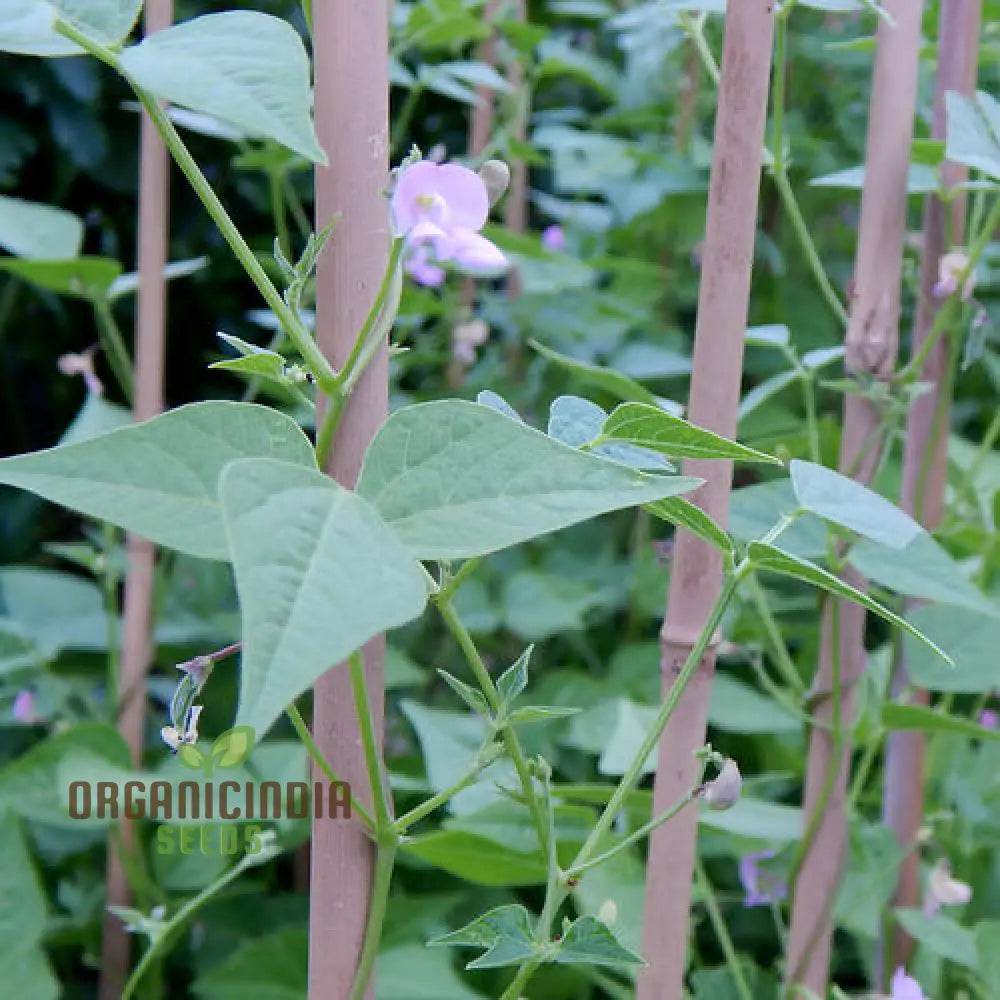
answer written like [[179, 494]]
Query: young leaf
[[81, 278], [232, 748], [767, 557], [160, 478], [318, 574], [589, 942], [468, 694], [840, 499], [28, 26], [682, 512], [650, 427], [514, 679], [539, 713], [505, 934], [241, 66], [252, 360], [456, 479], [39, 232], [927, 720]]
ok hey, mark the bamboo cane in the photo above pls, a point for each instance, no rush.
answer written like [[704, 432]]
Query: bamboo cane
[[352, 118], [926, 445], [150, 349], [871, 342], [696, 577]]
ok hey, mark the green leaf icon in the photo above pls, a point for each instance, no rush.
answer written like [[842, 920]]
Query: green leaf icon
[[190, 756], [232, 747]]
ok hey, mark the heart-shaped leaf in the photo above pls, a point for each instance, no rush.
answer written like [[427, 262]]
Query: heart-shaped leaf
[[160, 478], [318, 574], [244, 67]]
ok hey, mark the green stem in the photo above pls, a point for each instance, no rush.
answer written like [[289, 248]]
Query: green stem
[[778, 92], [295, 206], [295, 717], [114, 345], [109, 585], [507, 733], [402, 123], [631, 777], [436, 801], [719, 926], [157, 947], [812, 422], [861, 774], [385, 859], [513, 991], [274, 184], [381, 796], [779, 651], [325, 376]]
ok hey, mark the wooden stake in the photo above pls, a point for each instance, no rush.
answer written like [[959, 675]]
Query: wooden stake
[[351, 47], [872, 340], [137, 648], [696, 577], [925, 449]]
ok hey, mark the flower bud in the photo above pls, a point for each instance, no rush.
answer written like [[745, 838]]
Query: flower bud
[[724, 791], [495, 175]]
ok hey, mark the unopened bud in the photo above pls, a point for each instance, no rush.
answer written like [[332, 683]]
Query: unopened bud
[[951, 267], [724, 791], [495, 175]]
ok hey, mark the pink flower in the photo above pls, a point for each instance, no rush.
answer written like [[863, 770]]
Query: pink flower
[[554, 238], [905, 987], [443, 206], [82, 364], [951, 267], [989, 719], [24, 707]]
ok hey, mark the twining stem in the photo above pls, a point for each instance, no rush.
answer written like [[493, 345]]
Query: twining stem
[[507, 733], [381, 796], [295, 716], [276, 191], [428, 806], [114, 346], [300, 337], [721, 931], [779, 651], [776, 161], [385, 860]]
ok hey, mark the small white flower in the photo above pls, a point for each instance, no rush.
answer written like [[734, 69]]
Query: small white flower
[[943, 890]]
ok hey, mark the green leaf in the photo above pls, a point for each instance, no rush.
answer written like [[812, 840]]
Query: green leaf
[[539, 713], [769, 335], [754, 510], [39, 232], [757, 819], [411, 972], [477, 859], [468, 694], [685, 514], [738, 708], [587, 941], [16, 651], [767, 557], [243, 67], [160, 478], [840, 499], [30, 786], [22, 902], [87, 278], [128, 284], [974, 132], [651, 427], [272, 967], [457, 479], [922, 569], [618, 385], [505, 934], [987, 937], [763, 391], [940, 935], [919, 718], [514, 679], [969, 637], [920, 179], [318, 574], [253, 360], [232, 748], [28, 26], [97, 416], [27, 974]]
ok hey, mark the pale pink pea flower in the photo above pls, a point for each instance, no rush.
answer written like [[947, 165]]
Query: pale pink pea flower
[[83, 365], [951, 267], [989, 719], [905, 987], [441, 207], [762, 888], [419, 267]]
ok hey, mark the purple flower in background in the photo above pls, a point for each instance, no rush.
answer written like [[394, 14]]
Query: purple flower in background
[[905, 987], [24, 707], [554, 238], [762, 887], [83, 365], [989, 718], [442, 207]]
